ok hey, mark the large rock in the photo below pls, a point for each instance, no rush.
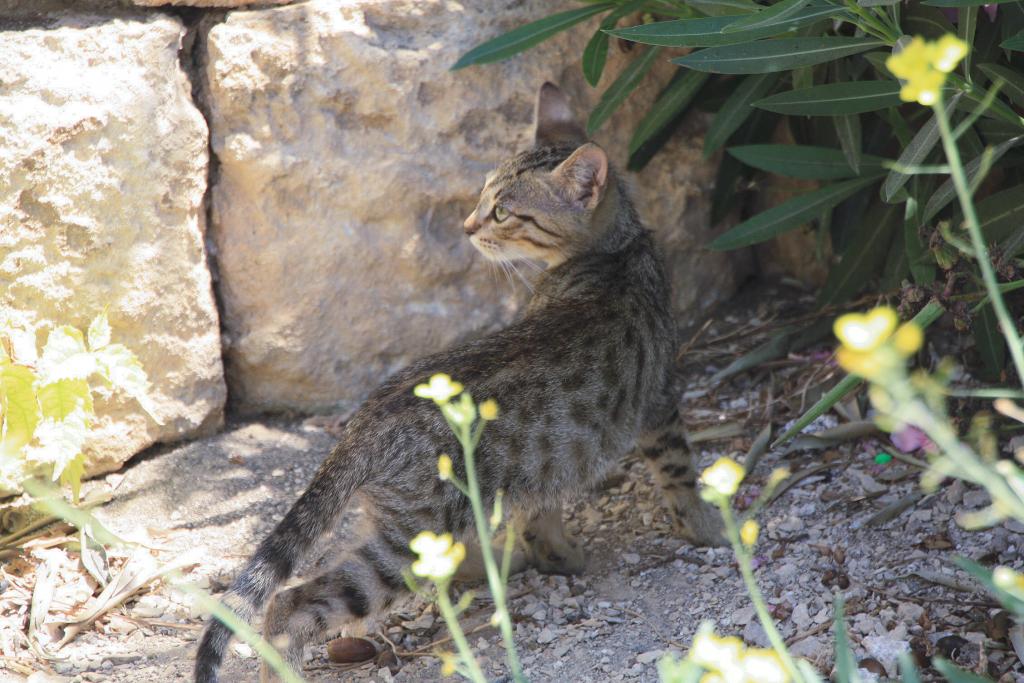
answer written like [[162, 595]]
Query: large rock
[[103, 167], [348, 157]]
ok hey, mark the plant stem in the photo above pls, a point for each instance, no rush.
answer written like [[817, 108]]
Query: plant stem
[[475, 673], [760, 606], [494, 574], [977, 239]]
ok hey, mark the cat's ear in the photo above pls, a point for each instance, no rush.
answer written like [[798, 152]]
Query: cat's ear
[[555, 121], [583, 177]]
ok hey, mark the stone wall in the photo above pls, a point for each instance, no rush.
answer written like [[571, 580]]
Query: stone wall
[[344, 157]]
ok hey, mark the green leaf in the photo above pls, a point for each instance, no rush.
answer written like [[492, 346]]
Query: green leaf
[[1002, 213], [966, 27], [990, 344], [58, 442], [1015, 43], [832, 99], [771, 16], [947, 669], [846, 665], [862, 257], [65, 356], [946, 192], [922, 266], [122, 369], [849, 134], [620, 88], [99, 331], [736, 110], [708, 31], [803, 161], [669, 105], [908, 671], [19, 406], [730, 169], [1013, 82], [527, 36], [896, 266], [914, 154], [716, 8], [595, 54], [926, 21], [963, 3], [71, 476], [932, 311], [778, 54], [61, 398], [789, 214]]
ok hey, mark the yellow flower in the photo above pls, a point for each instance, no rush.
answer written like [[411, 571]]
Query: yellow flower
[[444, 467], [749, 531], [439, 557], [922, 67], [763, 666], [721, 656], [866, 332], [723, 477], [1010, 581], [908, 338], [867, 365], [449, 663], [489, 409], [778, 475], [441, 388]]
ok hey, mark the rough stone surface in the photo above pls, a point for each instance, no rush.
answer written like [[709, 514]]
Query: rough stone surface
[[103, 166], [349, 156]]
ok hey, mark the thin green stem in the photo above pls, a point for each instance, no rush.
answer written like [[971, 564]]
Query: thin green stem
[[980, 248], [880, 31], [760, 606], [469, 438], [475, 673]]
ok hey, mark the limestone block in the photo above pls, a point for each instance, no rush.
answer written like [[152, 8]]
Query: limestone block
[[348, 156], [103, 167]]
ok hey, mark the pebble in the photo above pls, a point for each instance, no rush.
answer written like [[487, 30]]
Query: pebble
[[546, 636], [631, 558], [649, 656]]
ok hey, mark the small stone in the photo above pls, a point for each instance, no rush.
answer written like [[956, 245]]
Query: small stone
[[812, 648], [242, 650], [753, 634], [649, 656], [976, 499], [909, 611], [886, 649], [801, 617], [631, 558]]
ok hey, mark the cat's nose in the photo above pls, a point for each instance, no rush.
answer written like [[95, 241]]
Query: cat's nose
[[471, 224]]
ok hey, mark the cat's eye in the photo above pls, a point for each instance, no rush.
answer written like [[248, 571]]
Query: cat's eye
[[500, 213]]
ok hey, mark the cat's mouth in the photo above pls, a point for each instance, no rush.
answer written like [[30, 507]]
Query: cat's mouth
[[490, 248]]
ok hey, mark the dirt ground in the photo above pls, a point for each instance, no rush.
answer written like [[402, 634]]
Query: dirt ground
[[644, 592]]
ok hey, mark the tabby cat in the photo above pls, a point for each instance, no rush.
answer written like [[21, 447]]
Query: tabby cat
[[582, 378]]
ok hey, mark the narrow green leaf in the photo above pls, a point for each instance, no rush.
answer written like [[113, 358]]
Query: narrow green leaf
[[803, 161], [922, 266], [932, 311], [595, 54], [966, 27], [730, 169], [709, 31], [1013, 245], [772, 16], [716, 8], [862, 257], [620, 88], [777, 54], [896, 267], [975, 97], [946, 192], [834, 99], [914, 153], [736, 110], [669, 105], [849, 134], [990, 343], [907, 669], [846, 665], [789, 215], [929, 22], [1013, 82], [1015, 43], [527, 36], [1001, 214], [951, 672], [963, 3]]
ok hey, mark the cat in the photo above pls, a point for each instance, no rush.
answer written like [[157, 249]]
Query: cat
[[582, 378]]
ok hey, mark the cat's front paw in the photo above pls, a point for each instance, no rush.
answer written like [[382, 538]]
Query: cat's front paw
[[561, 555]]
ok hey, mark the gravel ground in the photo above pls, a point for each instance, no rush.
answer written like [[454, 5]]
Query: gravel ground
[[644, 592]]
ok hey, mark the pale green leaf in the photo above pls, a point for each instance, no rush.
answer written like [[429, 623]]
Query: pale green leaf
[[99, 332], [65, 356], [61, 398], [72, 476], [121, 368], [57, 442], [19, 406]]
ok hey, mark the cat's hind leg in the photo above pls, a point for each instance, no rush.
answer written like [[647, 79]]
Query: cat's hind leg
[[668, 457], [547, 545], [360, 587]]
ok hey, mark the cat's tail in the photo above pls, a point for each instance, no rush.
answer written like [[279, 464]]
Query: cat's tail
[[313, 514]]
